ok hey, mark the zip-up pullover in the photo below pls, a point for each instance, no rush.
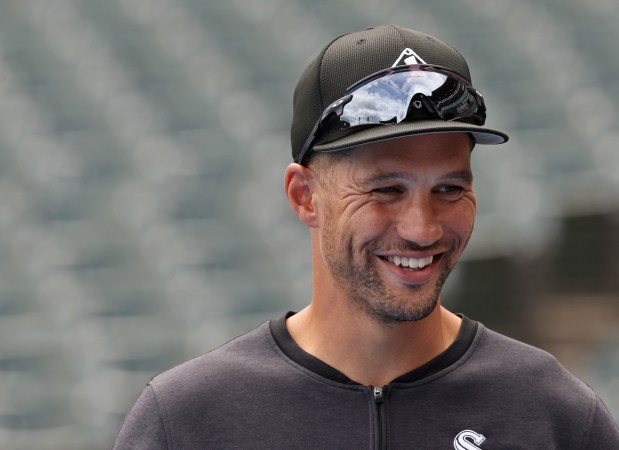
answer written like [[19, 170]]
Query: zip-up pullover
[[261, 391]]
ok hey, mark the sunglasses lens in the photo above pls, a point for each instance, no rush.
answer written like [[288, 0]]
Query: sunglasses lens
[[390, 98]]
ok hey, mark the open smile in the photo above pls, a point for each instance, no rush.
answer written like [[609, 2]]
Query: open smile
[[409, 262], [411, 270]]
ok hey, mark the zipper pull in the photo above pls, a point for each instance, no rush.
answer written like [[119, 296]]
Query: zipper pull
[[378, 394]]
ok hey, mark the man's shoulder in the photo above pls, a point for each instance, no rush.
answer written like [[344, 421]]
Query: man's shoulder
[[516, 364], [525, 382], [521, 356], [239, 355], [499, 342]]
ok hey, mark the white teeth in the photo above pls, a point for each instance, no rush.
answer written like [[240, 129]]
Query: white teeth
[[412, 263]]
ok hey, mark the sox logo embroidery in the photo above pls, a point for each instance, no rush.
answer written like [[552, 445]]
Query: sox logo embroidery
[[468, 440]]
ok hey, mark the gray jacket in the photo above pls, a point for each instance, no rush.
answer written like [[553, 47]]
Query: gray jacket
[[261, 391]]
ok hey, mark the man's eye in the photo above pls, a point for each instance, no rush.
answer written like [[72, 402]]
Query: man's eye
[[387, 190], [450, 189]]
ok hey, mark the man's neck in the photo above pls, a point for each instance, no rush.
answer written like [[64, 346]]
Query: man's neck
[[367, 351]]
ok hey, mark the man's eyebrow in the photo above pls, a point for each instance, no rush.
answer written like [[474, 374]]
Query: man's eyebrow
[[386, 176], [464, 175]]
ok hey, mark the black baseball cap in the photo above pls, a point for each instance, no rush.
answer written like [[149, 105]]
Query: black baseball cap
[[352, 57]]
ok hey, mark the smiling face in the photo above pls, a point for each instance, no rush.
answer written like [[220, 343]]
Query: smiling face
[[394, 219]]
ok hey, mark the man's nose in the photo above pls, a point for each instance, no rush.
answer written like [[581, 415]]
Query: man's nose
[[419, 222]]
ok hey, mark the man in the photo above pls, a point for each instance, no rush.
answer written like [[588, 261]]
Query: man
[[384, 123]]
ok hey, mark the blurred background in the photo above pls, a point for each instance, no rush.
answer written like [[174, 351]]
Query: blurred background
[[142, 218]]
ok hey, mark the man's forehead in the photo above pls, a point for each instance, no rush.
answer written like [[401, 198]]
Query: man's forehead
[[416, 146], [409, 155]]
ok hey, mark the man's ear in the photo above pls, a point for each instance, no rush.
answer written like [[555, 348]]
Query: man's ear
[[300, 185]]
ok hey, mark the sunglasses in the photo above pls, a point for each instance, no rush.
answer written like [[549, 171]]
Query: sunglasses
[[388, 97]]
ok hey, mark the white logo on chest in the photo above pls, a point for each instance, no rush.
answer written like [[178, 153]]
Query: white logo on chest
[[468, 440]]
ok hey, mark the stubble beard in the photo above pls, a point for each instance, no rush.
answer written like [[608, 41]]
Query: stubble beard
[[367, 291]]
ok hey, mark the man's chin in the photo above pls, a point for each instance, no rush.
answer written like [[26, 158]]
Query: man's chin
[[393, 309]]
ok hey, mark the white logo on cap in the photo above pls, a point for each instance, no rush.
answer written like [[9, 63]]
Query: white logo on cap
[[408, 57]]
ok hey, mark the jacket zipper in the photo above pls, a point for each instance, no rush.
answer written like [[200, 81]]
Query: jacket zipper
[[378, 395]]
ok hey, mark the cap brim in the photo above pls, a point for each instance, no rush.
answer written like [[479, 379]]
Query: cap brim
[[482, 135]]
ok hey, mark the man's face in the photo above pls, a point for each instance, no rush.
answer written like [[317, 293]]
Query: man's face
[[397, 215]]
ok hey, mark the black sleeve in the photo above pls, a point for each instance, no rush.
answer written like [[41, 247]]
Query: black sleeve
[[143, 428]]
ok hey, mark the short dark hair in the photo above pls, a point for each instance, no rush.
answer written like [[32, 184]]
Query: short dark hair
[[320, 163]]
